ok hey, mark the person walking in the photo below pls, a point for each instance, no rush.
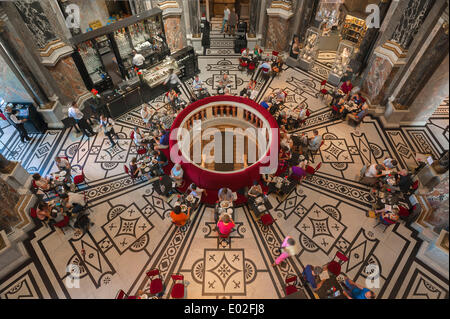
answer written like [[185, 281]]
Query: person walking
[[173, 81], [78, 116], [289, 248], [108, 128], [232, 21], [226, 16], [18, 124]]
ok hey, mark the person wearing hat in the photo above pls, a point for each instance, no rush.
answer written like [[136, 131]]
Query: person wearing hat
[[18, 124]]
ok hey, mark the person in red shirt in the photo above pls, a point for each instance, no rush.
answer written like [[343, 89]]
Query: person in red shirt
[[225, 224], [347, 87]]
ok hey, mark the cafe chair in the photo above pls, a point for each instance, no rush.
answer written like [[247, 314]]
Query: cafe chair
[[384, 222], [63, 224], [156, 284], [122, 295], [251, 68], [267, 219], [341, 258], [311, 171], [291, 282], [308, 113], [334, 267], [413, 188], [178, 287], [323, 92], [80, 179], [275, 55]]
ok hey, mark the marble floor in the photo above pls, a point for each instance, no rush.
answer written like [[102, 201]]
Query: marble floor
[[133, 232]]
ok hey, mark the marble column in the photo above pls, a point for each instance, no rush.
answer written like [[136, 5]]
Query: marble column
[[430, 96], [280, 12], [194, 13], [391, 56], [54, 54], [172, 24], [255, 8]]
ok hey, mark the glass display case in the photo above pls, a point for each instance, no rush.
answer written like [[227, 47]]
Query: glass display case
[[309, 51], [92, 61], [354, 29], [343, 55], [157, 74]]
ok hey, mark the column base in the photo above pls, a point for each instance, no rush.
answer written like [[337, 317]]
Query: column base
[[196, 43], [334, 79], [53, 114]]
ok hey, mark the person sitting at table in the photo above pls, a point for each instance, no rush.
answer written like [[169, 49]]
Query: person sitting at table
[[404, 181], [134, 169], [285, 138], [163, 142], [299, 170], [177, 174], [339, 107], [72, 203], [357, 98], [265, 66], [280, 96], [245, 54], [357, 291], [146, 114], [180, 218], [257, 51], [161, 160], [302, 112], [390, 163], [255, 190], [225, 194], [247, 90], [390, 217], [108, 128], [311, 275], [266, 103], [375, 170], [220, 88], [197, 84], [315, 142], [358, 114], [277, 65], [225, 224], [43, 211], [42, 183], [289, 248], [63, 164], [173, 100], [285, 154], [196, 191], [139, 140], [282, 119], [226, 80], [346, 88]]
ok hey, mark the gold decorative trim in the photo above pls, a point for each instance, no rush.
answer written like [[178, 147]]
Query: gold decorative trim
[[50, 52], [49, 44], [399, 55]]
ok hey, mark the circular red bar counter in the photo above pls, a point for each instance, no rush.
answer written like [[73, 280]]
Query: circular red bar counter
[[216, 180]]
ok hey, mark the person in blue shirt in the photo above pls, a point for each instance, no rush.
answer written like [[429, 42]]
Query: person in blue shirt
[[310, 274], [163, 142], [265, 103], [358, 292]]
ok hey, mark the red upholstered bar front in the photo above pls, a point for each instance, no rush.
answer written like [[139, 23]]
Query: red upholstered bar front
[[233, 180]]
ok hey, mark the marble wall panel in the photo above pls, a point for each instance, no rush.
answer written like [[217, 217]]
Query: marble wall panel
[[11, 89], [68, 79], [376, 78], [277, 31], [36, 21], [174, 34]]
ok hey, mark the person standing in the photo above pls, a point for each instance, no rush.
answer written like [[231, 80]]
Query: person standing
[[232, 21], [108, 128], [172, 81], [138, 60], [289, 248], [226, 16], [206, 40], [78, 116], [18, 124]]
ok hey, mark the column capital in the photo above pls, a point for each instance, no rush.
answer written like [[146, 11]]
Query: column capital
[[392, 52], [280, 11], [53, 52], [170, 8]]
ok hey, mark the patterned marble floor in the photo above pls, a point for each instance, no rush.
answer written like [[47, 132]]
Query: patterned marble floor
[[133, 233]]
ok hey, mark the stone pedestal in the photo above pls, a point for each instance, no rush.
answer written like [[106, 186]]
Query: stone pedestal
[[334, 79], [12, 254], [306, 65], [196, 43], [292, 62], [53, 114], [17, 178]]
